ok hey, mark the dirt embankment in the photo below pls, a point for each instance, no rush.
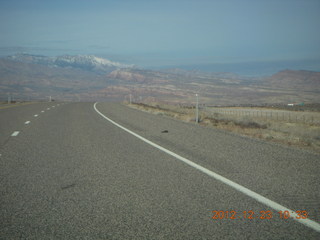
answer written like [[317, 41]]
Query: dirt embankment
[[304, 135]]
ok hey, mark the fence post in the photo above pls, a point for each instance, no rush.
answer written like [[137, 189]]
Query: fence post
[[197, 108]]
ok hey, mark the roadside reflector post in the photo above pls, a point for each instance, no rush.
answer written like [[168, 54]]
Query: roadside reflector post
[[197, 108]]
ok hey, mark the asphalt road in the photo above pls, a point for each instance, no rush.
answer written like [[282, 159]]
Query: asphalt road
[[13, 117], [71, 174]]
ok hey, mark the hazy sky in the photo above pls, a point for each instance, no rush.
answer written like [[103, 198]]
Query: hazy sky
[[162, 32]]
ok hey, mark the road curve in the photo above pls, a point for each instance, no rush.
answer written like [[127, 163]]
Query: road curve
[[69, 173]]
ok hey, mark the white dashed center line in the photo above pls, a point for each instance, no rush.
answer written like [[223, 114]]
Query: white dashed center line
[[42, 111], [14, 134], [27, 122], [48, 108], [36, 115]]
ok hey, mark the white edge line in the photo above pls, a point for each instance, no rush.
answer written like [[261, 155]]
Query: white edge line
[[307, 222], [36, 115], [27, 122], [15, 133]]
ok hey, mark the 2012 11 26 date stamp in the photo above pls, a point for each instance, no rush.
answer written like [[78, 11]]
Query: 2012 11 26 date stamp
[[264, 214]]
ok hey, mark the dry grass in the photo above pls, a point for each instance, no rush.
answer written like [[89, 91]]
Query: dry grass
[[302, 135]]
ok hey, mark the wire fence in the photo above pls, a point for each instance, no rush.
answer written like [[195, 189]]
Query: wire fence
[[278, 115], [253, 113]]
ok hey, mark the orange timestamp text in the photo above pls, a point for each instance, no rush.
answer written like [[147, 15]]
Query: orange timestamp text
[[258, 215]]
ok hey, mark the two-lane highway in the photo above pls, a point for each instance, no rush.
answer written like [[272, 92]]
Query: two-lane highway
[[13, 117], [71, 173]]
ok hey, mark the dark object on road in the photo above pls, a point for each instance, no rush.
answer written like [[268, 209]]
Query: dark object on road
[[68, 186], [164, 131]]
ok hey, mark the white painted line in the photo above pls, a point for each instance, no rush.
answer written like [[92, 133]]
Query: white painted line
[[14, 134], [53, 106], [307, 222], [27, 122], [36, 115], [48, 108], [42, 111]]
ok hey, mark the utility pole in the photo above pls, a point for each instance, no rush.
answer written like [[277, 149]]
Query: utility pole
[[9, 98], [197, 108]]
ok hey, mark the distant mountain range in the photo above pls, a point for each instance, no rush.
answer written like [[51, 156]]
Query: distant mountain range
[[300, 79], [91, 78], [84, 62], [257, 68]]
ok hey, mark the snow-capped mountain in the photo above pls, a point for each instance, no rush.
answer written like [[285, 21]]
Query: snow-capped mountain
[[85, 62]]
